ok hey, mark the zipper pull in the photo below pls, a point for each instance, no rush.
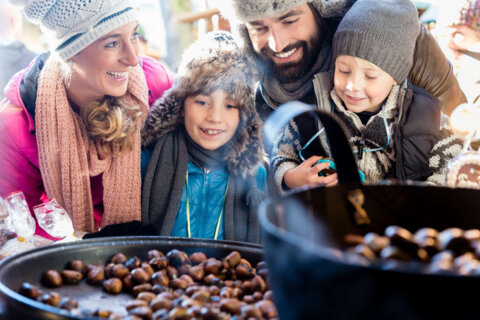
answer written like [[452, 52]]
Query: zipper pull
[[206, 170], [361, 146]]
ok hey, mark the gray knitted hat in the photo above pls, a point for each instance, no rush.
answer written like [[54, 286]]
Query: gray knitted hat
[[74, 24], [381, 32], [250, 10]]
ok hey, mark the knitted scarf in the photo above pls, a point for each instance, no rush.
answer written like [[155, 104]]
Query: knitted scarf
[[275, 92], [163, 187], [68, 158], [376, 165]]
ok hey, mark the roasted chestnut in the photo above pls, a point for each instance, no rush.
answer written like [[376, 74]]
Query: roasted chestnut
[[29, 290], [71, 276], [197, 258], [52, 279], [113, 285]]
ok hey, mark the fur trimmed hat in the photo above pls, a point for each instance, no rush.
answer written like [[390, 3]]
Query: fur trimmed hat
[[74, 24], [381, 32], [213, 62], [251, 10]]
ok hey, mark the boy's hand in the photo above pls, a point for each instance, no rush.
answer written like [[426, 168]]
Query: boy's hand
[[307, 174]]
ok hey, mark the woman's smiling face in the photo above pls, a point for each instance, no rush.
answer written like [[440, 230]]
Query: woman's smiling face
[[102, 68]]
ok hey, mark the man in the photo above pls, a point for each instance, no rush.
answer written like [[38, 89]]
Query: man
[[290, 40], [14, 55]]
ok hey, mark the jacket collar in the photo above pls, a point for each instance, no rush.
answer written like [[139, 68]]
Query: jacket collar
[[22, 88]]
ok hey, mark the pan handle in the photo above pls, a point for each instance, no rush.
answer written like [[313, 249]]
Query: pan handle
[[336, 133]]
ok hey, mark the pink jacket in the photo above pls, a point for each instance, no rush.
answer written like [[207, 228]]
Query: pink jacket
[[18, 147]]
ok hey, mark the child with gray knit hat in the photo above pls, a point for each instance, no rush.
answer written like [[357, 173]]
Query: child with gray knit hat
[[70, 126], [396, 129], [290, 42], [204, 177]]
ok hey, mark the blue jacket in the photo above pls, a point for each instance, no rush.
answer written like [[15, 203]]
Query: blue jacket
[[206, 192]]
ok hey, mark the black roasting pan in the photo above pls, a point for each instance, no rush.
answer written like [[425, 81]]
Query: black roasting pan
[[29, 266]]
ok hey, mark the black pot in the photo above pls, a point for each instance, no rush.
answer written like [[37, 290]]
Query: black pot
[[29, 266], [301, 233]]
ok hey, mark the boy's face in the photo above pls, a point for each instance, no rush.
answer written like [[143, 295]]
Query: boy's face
[[211, 120], [361, 85]]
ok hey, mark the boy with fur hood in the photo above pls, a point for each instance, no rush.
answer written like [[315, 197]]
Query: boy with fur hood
[[396, 129], [204, 176]]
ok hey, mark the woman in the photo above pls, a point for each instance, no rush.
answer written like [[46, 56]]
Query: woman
[[70, 126]]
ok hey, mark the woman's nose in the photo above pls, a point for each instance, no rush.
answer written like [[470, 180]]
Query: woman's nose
[[130, 55]]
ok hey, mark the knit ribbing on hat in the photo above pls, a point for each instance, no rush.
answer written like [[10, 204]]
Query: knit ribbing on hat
[[72, 25], [381, 32], [80, 41]]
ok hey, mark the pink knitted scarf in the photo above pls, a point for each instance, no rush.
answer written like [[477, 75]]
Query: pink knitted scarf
[[68, 158]]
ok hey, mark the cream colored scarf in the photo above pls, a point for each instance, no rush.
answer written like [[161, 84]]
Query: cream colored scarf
[[68, 158]]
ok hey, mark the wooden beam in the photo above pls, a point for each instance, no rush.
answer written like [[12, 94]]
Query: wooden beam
[[194, 16]]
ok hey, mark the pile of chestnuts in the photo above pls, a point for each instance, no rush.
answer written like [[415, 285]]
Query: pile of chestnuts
[[451, 251], [171, 286]]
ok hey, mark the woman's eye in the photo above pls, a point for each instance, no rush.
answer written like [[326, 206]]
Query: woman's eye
[[112, 44], [370, 77], [231, 106], [135, 36], [344, 71]]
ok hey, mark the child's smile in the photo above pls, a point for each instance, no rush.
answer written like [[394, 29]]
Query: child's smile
[[212, 132], [211, 120], [361, 85]]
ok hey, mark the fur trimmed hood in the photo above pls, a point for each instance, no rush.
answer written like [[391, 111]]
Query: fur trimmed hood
[[213, 62]]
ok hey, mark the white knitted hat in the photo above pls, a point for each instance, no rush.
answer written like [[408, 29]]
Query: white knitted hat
[[74, 24]]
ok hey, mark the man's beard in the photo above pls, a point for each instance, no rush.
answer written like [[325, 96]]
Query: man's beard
[[293, 71]]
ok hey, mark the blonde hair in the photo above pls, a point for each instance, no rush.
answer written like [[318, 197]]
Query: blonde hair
[[111, 124]]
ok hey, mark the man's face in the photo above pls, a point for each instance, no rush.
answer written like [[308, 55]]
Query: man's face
[[288, 43]]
